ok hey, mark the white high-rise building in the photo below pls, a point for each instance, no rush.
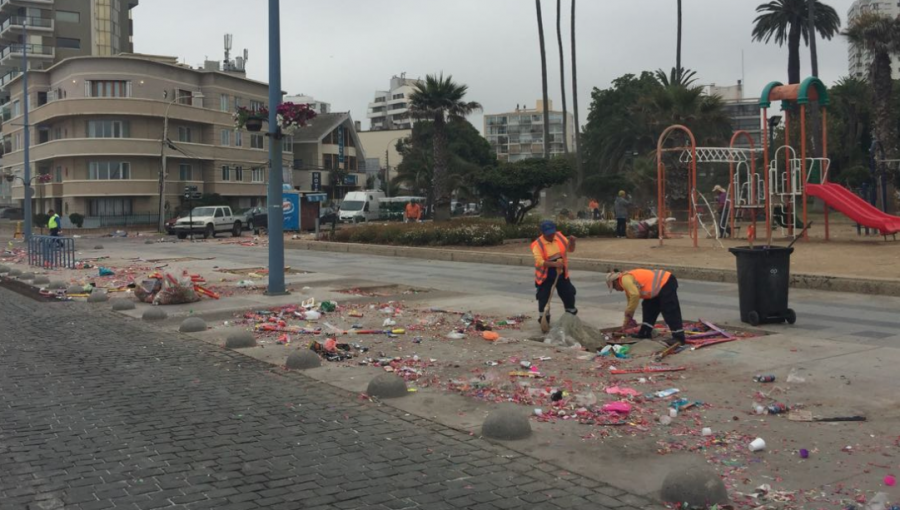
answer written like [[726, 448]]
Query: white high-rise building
[[315, 105], [858, 59], [519, 134], [390, 109]]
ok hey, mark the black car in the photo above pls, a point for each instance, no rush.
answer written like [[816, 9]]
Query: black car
[[257, 219], [12, 213]]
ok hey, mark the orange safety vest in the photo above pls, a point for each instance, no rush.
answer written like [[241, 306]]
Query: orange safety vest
[[649, 281], [540, 272]]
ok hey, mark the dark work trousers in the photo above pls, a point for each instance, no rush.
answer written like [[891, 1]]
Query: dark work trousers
[[564, 288], [620, 227], [54, 232], [667, 303]]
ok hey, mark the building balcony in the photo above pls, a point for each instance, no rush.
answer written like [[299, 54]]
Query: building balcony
[[12, 54], [95, 188], [12, 28], [127, 107], [8, 77], [241, 189], [11, 5]]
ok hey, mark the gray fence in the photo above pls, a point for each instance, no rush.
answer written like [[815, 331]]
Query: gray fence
[[50, 252]]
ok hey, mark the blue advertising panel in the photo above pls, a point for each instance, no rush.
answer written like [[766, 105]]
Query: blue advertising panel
[[317, 181], [291, 208], [341, 144], [350, 180]]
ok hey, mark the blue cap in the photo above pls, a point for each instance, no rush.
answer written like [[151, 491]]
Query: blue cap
[[548, 227]]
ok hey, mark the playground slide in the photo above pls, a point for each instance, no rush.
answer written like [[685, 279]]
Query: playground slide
[[854, 207]]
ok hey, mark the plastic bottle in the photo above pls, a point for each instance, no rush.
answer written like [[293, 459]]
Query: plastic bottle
[[777, 408], [667, 393], [764, 378]]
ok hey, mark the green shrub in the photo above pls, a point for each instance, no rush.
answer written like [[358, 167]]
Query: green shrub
[[40, 220], [77, 219]]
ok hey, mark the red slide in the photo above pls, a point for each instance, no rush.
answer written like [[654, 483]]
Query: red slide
[[854, 207]]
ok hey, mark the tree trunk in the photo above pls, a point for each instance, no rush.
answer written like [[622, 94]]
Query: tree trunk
[[562, 76], [678, 45], [578, 167], [794, 34], [813, 54], [540, 21], [441, 169], [885, 129], [814, 116]]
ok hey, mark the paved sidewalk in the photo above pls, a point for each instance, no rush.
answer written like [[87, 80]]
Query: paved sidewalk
[[101, 412]]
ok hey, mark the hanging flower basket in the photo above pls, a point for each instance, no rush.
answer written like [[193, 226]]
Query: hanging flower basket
[[250, 119], [289, 117]]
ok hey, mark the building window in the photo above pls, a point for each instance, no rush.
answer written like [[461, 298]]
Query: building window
[[17, 142], [239, 174], [288, 143], [68, 42], [256, 105], [238, 139], [185, 97], [257, 141], [226, 173], [223, 102], [108, 88], [59, 174], [256, 175], [17, 108], [398, 96], [107, 129], [237, 102], [226, 137], [68, 16], [110, 206], [184, 134], [43, 135], [186, 172], [109, 170], [57, 133]]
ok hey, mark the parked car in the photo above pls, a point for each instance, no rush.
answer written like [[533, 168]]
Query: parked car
[[12, 213], [256, 218], [170, 225], [208, 221], [246, 216]]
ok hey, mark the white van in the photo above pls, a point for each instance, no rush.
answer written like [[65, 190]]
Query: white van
[[360, 206]]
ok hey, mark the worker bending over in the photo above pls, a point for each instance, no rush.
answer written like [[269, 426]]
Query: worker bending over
[[659, 291], [551, 265]]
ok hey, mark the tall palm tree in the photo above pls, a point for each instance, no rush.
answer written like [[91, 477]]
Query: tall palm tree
[[578, 167], [562, 75], [440, 99], [879, 36], [540, 21], [678, 46], [787, 21]]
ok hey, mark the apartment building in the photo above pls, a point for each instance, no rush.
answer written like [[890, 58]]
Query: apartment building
[[60, 29], [96, 127], [745, 113], [519, 134], [858, 59], [314, 104], [390, 108], [330, 142]]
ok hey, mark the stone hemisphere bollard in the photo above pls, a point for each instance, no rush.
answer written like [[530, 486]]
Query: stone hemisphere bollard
[[302, 360], [192, 325], [387, 386], [155, 314], [41, 280], [98, 247], [57, 285], [698, 487], [98, 297], [240, 340], [149, 241], [75, 289], [120, 304], [26, 276], [506, 424], [14, 272], [4, 269]]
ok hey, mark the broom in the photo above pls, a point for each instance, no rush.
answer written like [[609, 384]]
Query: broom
[[545, 326]]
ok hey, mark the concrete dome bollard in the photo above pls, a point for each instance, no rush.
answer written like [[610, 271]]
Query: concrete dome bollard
[[149, 241], [26, 276], [4, 269], [41, 280], [57, 285], [302, 360], [698, 487], [240, 340], [192, 325], [98, 247], [506, 424], [119, 305], [75, 289], [387, 386], [98, 297], [155, 314], [15, 272]]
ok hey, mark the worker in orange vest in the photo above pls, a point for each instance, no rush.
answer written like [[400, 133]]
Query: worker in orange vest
[[659, 291], [413, 211], [594, 207], [551, 258]]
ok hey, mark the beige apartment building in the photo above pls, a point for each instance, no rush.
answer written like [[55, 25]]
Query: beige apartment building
[[317, 153], [97, 129], [519, 134]]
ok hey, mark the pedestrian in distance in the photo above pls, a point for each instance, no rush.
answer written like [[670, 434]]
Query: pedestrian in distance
[[551, 268], [722, 211], [658, 289], [621, 207], [594, 208], [413, 212], [53, 223]]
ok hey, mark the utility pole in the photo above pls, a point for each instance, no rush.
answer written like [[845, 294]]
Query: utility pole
[[162, 169], [387, 172], [27, 180], [275, 195]]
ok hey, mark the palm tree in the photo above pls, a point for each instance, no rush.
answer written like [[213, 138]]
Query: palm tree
[[787, 21], [540, 21], [579, 169], [678, 45], [680, 77], [879, 36], [562, 74], [440, 99]]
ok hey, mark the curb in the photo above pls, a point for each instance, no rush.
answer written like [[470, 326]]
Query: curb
[[882, 287]]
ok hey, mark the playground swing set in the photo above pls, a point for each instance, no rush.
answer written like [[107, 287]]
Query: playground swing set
[[789, 179]]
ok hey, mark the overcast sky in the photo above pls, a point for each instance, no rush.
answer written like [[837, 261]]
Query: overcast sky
[[343, 51]]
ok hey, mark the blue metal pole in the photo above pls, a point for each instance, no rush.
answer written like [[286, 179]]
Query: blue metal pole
[[275, 197], [26, 204]]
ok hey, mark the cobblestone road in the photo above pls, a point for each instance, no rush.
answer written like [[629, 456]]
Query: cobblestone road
[[101, 412]]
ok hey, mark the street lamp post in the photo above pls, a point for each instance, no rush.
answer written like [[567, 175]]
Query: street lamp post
[[163, 160], [387, 166], [26, 181], [275, 196]]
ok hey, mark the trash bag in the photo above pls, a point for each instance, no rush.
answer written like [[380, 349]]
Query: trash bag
[[176, 292], [146, 291]]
